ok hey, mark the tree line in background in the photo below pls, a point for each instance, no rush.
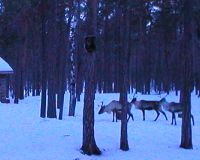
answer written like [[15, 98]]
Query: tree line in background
[[143, 40]]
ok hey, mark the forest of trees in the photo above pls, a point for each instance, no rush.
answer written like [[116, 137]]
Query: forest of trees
[[140, 44]]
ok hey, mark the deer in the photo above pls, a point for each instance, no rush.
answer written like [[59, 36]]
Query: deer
[[115, 107], [174, 107], [149, 105]]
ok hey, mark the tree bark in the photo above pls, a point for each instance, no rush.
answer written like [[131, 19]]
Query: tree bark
[[78, 65], [51, 35], [124, 19], [72, 89], [186, 130], [89, 145], [63, 49], [44, 60]]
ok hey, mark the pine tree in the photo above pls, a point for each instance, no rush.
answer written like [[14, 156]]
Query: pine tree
[[186, 131], [89, 145]]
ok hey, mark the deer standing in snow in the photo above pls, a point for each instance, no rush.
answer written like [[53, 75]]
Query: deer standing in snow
[[148, 105], [174, 107], [115, 107]]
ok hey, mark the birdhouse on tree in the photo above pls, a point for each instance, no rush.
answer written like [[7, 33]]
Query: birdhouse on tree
[[90, 45], [5, 72]]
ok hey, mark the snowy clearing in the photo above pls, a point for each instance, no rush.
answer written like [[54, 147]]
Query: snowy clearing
[[26, 136]]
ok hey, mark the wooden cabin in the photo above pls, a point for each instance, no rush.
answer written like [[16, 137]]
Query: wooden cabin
[[5, 72]]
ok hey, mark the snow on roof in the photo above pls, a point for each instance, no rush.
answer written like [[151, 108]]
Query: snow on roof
[[5, 67]]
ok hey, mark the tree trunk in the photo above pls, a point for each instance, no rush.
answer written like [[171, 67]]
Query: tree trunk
[[72, 101], [124, 136], [51, 110], [78, 61], [89, 145], [44, 60], [186, 130], [63, 48], [124, 23]]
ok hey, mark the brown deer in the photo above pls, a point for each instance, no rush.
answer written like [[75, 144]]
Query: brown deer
[[115, 107], [149, 105], [174, 107]]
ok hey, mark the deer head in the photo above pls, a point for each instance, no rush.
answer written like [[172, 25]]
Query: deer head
[[102, 108], [133, 100]]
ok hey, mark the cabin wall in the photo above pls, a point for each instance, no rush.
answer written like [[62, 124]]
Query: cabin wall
[[3, 88]]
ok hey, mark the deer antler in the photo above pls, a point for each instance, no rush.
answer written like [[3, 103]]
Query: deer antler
[[134, 94], [101, 104]]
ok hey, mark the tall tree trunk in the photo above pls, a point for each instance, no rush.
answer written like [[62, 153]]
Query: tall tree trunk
[[21, 89], [63, 48], [72, 89], [124, 18], [89, 145], [44, 59], [186, 130], [117, 51], [79, 65], [51, 34], [17, 79]]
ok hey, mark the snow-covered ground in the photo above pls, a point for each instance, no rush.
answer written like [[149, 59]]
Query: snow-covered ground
[[26, 136]]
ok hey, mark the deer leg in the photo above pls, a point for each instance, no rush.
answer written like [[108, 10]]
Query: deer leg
[[172, 119], [157, 115], [164, 114], [143, 113], [130, 115], [192, 117], [175, 118], [113, 115]]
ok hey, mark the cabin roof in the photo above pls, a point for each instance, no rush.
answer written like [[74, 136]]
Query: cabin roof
[[5, 67]]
